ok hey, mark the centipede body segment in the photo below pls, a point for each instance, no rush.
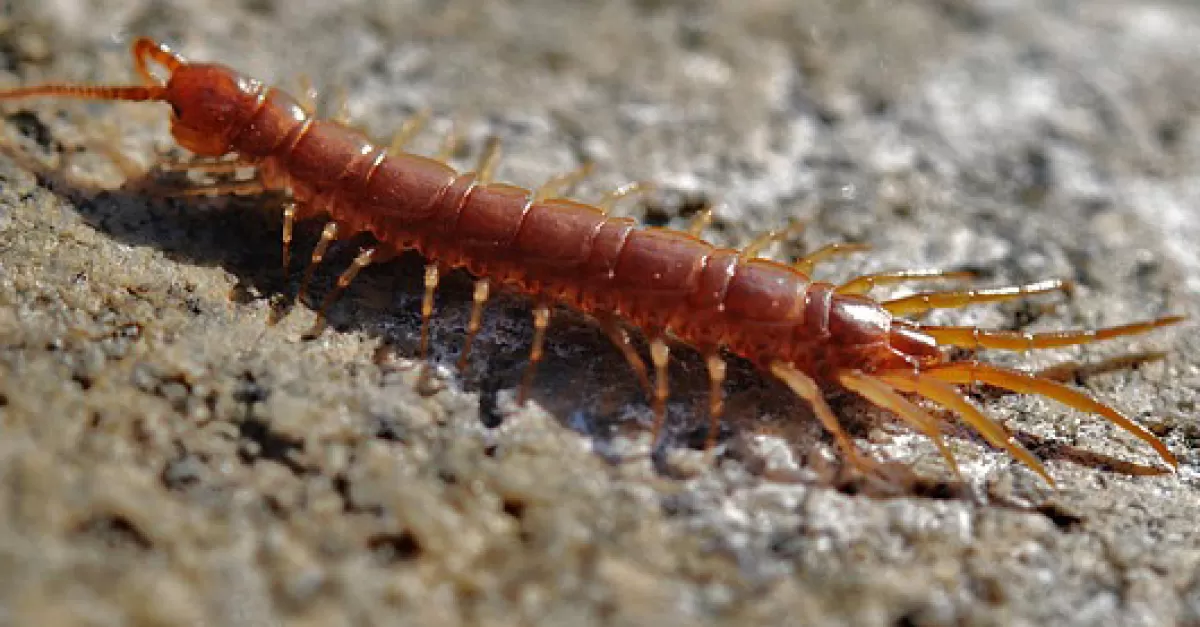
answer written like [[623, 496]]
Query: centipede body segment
[[669, 285]]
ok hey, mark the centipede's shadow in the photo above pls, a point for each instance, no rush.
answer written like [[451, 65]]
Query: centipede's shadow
[[583, 382]]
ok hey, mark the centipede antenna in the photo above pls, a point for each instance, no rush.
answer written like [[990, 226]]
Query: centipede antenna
[[143, 49], [88, 92]]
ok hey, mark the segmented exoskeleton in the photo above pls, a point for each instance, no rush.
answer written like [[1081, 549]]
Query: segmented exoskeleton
[[811, 335]]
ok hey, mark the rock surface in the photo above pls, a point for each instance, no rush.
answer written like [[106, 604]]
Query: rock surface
[[170, 458]]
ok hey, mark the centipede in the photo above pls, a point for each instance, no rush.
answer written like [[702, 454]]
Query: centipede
[[671, 286]]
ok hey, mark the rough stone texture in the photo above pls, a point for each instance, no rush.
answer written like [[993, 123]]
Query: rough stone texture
[[169, 458]]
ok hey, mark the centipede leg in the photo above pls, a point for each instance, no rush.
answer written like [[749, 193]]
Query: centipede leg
[[804, 387], [328, 235], [364, 259], [289, 223], [408, 130], [450, 143], [805, 264], [620, 338], [308, 94], [541, 322], [660, 355], [760, 243], [925, 301], [700, 221], [610, 199], [562, 183], [882, 395], [716, 395], [478, 300], [208, 165], [232, 188], [341, 109], [486, 170], [867, 282], [975, 338], [1022, 383], [949, 397], [432, 278]]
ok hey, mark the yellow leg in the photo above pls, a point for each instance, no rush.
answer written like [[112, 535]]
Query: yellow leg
[[432, 277], [541, 322], [341, 108], [328, 235], [289, 222], [807, 390], [562, 183], [308, 94], [364, 259], [231, 188], [758, 244], [806, 264], [716, 395], [486, 170], [700, 221], [883, 395], [971, 337], [925, 301], [620, 337], [219, 165], [610, 200], [868, 282], [450, 143], [974, 372], [947, 396], [408, 130], [660, 355], [479, 298]]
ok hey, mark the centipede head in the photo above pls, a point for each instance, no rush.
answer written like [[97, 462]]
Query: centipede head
[[209, 102]]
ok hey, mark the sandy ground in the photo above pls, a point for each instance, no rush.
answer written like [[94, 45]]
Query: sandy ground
[[170, 458]]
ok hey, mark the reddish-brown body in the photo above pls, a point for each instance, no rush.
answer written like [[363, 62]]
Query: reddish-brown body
[[809, 334], [561, 249]]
